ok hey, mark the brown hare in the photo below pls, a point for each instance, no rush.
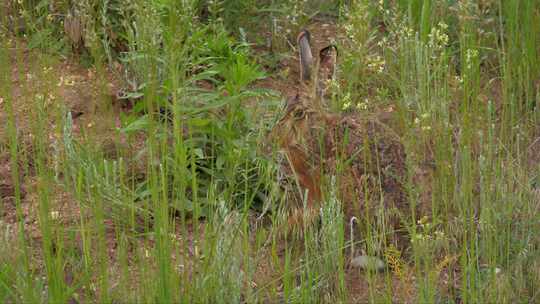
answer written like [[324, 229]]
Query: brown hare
[[362, 153]]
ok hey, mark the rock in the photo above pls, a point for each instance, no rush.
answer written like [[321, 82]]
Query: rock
[[490, 270], [370, 263]]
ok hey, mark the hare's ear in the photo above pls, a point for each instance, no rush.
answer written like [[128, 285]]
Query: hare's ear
[[306, 58], [327, 62]]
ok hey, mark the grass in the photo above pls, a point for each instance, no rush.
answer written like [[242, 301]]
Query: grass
[[184, 198]]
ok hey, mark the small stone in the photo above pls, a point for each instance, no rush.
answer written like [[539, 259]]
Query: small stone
[[368, 263]]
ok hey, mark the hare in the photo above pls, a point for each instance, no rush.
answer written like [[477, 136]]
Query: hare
[[364, 155]]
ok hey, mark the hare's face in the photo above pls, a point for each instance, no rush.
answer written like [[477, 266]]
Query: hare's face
[[293, 125]]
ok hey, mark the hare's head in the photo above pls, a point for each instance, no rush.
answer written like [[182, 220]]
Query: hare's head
[[306, 108]]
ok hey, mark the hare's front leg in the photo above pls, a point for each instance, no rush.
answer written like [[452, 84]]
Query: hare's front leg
[[308, 180]]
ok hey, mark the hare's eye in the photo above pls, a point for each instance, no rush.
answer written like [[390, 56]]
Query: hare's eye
[[299, 114]]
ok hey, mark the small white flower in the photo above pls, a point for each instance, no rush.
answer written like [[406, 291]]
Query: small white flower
[[362, 106], [443, 25]]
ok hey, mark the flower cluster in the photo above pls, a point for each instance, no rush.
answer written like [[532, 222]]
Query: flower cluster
[[438, 37], [363, 105], [403, 31], [296, 10], [470, 56], [427, 231], [346, 102], [395, 261], [423, 121], [375, 63]]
